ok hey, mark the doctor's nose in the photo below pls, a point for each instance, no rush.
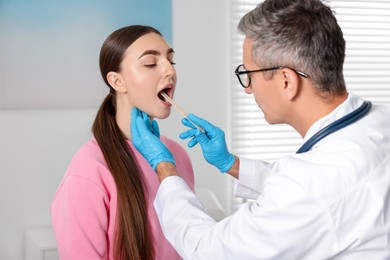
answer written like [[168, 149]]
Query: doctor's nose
[[248, 90]]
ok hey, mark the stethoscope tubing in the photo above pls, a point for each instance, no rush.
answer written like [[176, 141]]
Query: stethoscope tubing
[[336, 125]]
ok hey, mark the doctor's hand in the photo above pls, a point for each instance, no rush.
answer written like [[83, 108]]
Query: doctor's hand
[[212, 142], [145, 136]]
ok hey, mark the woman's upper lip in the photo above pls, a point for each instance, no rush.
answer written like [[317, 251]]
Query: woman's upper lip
[[169, 89]]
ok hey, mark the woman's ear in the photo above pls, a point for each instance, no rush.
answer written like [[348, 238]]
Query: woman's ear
[[116, 82], [291, 83]]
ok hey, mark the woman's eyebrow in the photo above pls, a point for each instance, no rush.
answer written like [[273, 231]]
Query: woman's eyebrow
[[150, 52], [154, 52]]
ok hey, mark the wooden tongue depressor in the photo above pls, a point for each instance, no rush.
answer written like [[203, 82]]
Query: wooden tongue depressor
[[179, 109]]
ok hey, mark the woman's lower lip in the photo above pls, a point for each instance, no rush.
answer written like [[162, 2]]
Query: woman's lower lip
[[166, 103]]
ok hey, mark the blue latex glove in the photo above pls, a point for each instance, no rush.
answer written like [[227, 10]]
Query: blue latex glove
[[145, 137], [212, 142]]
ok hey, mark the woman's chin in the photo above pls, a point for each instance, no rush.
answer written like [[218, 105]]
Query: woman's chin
[[162, 114]]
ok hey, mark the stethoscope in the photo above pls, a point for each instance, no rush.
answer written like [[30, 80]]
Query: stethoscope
[[336, 125]]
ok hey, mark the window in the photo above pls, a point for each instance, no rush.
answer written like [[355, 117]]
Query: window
[[366, 28]]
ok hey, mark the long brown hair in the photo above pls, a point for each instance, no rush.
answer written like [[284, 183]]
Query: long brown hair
[[132, 235]]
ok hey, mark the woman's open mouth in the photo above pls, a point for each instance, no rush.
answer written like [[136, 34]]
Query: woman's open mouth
[[167, 90]]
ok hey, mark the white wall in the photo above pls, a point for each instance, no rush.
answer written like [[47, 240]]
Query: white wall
[[37, 145], [201, 53]]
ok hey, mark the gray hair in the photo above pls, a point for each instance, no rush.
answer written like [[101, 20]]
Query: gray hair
[[300, 34]]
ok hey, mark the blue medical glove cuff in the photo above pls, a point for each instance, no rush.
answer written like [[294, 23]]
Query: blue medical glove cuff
[[229, 161], [156, 161]]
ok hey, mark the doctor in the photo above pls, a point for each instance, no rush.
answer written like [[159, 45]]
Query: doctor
[[331, 199]]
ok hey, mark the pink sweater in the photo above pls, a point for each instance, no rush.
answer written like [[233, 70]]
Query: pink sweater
[[84, 207]]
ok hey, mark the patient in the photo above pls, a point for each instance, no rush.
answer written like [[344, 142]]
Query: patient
[[103, 208]]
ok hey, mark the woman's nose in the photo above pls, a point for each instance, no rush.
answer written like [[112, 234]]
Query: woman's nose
[[169, 69]]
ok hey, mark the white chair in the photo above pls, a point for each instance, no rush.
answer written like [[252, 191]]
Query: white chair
[[40, 244]]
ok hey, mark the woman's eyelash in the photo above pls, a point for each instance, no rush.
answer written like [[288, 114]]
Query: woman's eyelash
[[154, 65]]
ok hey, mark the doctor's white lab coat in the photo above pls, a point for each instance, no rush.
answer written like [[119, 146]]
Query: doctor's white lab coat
[[332, 202]]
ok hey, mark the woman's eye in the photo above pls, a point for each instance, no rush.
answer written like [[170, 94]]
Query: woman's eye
[[152, 65], [173, 63]]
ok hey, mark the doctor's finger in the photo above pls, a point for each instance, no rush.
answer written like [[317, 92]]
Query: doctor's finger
[[192, 142], [207, 126], [187, 122], [202, 138], [135, 113], [143, 130], [146, 119], [155, 128], [187, 134]]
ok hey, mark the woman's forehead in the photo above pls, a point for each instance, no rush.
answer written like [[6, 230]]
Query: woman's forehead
[[151, 43]]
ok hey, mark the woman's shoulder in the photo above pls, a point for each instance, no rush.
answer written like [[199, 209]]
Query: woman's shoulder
[[88, 152], [172, 145], [88, 161], [87, 173]]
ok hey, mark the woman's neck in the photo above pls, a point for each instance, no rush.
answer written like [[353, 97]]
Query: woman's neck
[[123, 117]]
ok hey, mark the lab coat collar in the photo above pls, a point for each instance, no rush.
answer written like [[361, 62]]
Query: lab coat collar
[[350, 104]]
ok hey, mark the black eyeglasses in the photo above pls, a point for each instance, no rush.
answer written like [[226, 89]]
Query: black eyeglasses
[[245, 79]]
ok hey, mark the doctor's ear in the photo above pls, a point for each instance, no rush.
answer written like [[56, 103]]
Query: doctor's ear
[[291, 83], [116, 82]]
